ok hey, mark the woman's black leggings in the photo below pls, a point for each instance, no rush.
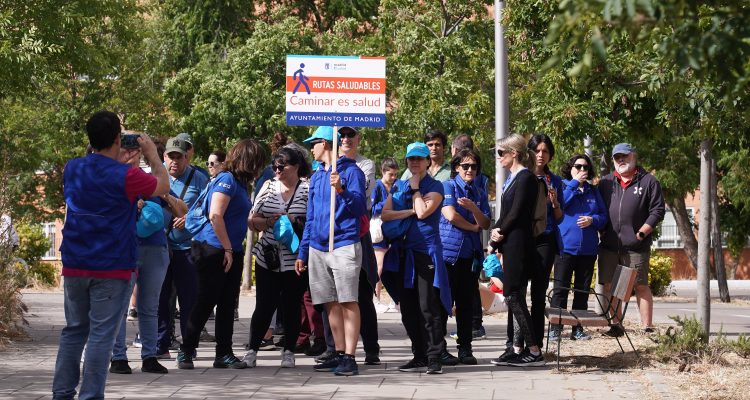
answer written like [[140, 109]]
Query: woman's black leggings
[[516, 300]]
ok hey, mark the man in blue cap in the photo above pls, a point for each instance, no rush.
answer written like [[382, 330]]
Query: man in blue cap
[[636, 206], [334, 277]]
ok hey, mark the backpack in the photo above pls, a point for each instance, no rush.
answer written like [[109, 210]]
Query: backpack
[[540, 209], [197, 216]]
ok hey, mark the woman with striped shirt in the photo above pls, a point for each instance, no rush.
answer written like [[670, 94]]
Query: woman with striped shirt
[[279, 213]]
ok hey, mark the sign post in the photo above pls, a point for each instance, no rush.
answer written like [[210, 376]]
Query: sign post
[[335, 91]]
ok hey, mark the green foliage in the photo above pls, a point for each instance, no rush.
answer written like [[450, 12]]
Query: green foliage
[[33, 244], [688, 343], [659, 274]]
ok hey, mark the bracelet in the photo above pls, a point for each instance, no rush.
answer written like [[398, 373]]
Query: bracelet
[[340, 190], [227, 250]]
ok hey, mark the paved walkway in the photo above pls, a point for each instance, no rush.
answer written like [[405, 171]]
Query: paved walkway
[[26, 371]]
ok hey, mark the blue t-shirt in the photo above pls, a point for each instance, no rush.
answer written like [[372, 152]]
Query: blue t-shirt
[[422, 229], [471, 242], [179, 239], [235, 216]]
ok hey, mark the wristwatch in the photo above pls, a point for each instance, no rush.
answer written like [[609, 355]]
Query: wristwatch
[[641, 235]]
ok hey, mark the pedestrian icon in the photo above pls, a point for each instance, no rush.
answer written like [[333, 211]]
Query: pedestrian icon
[[302, 79]]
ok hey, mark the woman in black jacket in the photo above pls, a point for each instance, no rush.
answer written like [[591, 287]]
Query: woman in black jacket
[[512, 236]]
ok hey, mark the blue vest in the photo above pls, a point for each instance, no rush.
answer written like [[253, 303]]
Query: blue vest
[[453, 237], [99, 231]]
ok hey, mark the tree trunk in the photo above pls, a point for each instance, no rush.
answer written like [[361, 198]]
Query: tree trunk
[[721, 272], [685, 228], [704, 240]]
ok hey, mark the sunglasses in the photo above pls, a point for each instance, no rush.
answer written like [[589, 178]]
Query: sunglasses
[[501, 152], [581, 167], [315, 142], [347, 134], [414, 158], [213, 163], [278, 167], [468, 166]]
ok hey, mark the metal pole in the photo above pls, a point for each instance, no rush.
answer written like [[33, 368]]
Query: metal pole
[[334, 158], [704, 240], [502, 124]]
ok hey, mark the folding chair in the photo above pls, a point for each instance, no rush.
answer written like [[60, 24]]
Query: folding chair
[[622, 287]]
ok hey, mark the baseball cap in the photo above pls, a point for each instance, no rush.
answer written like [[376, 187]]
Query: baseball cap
[[150, 221], [176, 145], [417, 149], [323, 132], [283, 231], [622, 148], [186, 137], [348, 128]]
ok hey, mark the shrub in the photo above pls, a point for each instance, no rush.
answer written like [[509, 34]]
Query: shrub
[[32, 248], [682, 344], [659, 274], [11, 306]]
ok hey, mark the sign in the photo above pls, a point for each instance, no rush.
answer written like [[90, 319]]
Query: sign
[[333, 90]]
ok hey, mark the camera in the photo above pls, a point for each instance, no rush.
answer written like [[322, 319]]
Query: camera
[[130, 141]]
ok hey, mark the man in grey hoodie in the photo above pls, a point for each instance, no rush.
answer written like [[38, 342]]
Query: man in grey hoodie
[[636, 206]]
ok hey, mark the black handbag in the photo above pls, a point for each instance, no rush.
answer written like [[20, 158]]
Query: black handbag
[[271, 256]]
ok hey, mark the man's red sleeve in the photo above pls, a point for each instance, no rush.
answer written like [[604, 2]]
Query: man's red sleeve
[[139, 183]]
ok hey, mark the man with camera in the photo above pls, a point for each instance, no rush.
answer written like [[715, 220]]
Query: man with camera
[[99, 250]]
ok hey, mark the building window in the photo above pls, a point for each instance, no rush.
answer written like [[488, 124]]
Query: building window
[[669, 237], [50, 232]]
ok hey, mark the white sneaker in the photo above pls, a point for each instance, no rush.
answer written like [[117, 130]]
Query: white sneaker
[[250, 358], [380, 307], [287, 359]]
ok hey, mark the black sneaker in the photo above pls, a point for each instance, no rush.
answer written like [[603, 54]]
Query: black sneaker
[[212, 316], [434, 367], [526, 359], [447, 358], [326, 356], [229, 361], [174, 344], [415, 365], [347, 366], [615, 331], [329, 365], [266, 344], [300, 348], [120, 367], [132, 314], [479, 334], [318, 347], [466, 357], [236, 314], [207, 337], [184, 360], [152, 365], [372, 359], [508, 355]]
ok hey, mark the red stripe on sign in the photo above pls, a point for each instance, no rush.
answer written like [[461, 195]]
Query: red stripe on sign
[[337, 85]]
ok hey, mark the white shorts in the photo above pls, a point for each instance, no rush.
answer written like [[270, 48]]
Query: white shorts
[[498, 305]]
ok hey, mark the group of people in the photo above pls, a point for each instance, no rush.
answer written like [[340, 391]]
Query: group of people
[[128, 225]]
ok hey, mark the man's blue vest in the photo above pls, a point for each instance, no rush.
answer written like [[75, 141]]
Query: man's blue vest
[[99, 231]]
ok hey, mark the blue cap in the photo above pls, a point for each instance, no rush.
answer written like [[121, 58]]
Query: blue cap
[[283, 231], [417, 149], [323, 132], [150, 221], [622, 148]]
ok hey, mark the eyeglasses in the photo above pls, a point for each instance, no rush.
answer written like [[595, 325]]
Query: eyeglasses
[[501, 152], [468, 166], [278, 167], [348, 134], [581, 167], [214, 163]]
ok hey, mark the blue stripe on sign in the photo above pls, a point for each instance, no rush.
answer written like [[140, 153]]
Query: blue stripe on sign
[[296, 118]]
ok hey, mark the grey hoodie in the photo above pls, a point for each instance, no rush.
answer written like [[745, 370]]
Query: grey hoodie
[[641, 202]]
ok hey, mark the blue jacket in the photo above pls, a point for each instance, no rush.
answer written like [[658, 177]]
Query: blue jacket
[[351, 205], [453, 238], [99, 231], [577, 203]]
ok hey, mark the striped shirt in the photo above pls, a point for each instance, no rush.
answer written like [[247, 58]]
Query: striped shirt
[[269, 202]]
